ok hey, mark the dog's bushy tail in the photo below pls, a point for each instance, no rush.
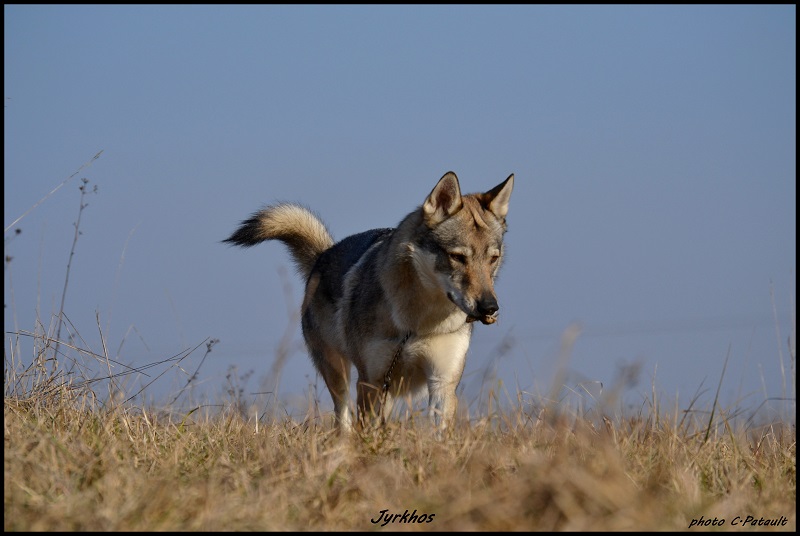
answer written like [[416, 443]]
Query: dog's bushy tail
[[297, 227]]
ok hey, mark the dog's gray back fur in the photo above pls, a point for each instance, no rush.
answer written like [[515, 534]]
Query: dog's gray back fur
[[334, 263]]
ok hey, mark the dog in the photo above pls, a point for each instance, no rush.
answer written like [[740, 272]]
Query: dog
[[398, 303]]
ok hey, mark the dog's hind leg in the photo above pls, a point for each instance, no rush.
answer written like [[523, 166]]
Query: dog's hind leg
[[335, 370]]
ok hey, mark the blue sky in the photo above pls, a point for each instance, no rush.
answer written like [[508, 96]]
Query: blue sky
[[653, 148]]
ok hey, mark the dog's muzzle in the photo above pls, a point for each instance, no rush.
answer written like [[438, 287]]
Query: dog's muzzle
[[487, 312]]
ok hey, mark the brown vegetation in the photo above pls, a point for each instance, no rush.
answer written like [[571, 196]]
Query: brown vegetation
[[73, 463]]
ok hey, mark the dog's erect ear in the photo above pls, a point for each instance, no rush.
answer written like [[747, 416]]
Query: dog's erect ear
[[443, 201], [496, 199]]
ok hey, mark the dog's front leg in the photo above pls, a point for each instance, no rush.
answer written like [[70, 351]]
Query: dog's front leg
[[445, 356], [442, 402]]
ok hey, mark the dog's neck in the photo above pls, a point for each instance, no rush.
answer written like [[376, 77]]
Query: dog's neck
[[417, 307]]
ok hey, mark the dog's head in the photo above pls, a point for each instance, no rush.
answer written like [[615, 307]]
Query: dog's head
[[461, 247]]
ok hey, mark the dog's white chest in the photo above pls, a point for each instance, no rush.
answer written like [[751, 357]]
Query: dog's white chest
[[442, 355]]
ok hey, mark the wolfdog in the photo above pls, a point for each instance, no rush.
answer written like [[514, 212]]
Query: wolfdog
[[400, 303]]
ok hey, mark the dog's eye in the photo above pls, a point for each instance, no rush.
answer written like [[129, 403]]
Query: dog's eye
[[459, 258], [494, 259]]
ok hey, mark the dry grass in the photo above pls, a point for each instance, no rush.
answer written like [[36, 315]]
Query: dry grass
[[73, 463]]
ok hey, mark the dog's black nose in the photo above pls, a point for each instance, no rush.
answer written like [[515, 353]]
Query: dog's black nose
[[488, 307], [487, 310]]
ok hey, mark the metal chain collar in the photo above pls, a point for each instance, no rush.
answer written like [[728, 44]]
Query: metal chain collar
[[387, 378]]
